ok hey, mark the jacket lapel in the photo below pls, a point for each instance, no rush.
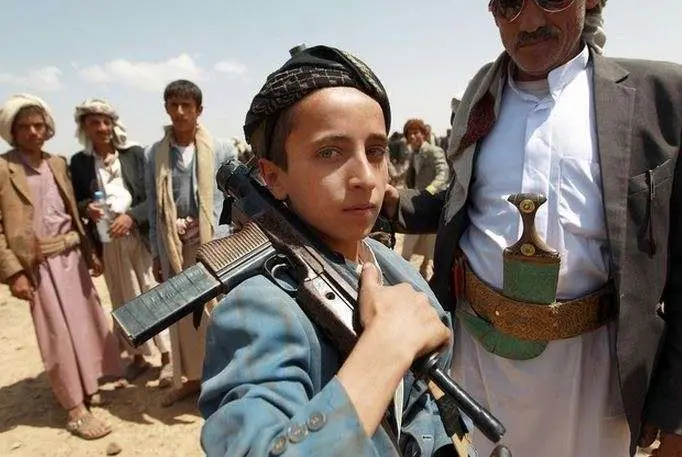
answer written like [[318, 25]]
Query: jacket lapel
[[614, 108], [18, 176]]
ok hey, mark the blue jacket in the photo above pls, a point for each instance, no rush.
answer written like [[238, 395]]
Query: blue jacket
[[269, 385]]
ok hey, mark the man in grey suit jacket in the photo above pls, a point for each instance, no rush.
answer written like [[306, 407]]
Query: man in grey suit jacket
[[428, 171], [600, 137]]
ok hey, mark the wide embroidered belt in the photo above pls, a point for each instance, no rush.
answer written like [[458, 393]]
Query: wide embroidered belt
[[518, 321], [540, 322], [55, 245]]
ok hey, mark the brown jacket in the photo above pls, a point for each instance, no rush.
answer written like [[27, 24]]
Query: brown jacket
[[18, 244]]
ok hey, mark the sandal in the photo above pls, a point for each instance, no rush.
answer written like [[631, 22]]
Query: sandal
[[88, 427]]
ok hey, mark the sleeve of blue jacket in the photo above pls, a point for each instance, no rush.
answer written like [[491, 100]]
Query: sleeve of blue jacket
[[262, 392]]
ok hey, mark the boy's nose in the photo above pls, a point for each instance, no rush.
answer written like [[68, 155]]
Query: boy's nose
[[362, 174]]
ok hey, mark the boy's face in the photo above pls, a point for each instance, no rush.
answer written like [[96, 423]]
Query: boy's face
[[184, 113], [336, 165]]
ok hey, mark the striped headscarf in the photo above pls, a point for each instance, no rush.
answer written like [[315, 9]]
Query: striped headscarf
[[308, 70], [100, 106]]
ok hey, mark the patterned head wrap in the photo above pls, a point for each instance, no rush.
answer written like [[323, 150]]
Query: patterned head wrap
[[311, 69], [100, 106], [593, 31], [9, 110]]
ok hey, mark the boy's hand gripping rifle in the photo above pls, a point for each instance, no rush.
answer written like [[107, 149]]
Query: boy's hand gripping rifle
[[272, 241]]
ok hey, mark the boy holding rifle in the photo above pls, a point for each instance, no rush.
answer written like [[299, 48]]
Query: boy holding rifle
[[273, 384]]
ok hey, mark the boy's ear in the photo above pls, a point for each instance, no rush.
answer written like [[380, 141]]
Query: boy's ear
[[273, 177]]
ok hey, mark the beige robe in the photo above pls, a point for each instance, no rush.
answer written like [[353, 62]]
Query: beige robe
[[187, 343]]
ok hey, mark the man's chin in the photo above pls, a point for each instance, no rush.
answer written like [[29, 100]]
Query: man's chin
[[184, 126], [38, 144]]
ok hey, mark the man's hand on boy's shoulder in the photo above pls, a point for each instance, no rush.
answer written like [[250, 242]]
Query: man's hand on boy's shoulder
[[389, 207]]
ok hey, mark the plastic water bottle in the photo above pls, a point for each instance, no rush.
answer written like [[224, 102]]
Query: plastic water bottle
[[105, 221]]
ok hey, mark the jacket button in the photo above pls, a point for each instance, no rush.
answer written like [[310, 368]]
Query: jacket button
[[279, 447], [296, 433], [316, 421]]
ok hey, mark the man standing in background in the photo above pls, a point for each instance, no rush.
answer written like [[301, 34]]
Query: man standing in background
[[428, 171], [44, 259], [110, 164], [184, 210]]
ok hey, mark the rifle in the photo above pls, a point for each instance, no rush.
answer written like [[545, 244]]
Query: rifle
[[274, 242]]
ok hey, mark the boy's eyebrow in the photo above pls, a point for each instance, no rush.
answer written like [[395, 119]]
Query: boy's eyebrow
[[380, 137], [337, 137]]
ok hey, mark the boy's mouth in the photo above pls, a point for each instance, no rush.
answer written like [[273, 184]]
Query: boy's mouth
[[362, 207]]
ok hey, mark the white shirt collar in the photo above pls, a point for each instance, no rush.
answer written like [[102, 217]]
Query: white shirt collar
[[558, 78]]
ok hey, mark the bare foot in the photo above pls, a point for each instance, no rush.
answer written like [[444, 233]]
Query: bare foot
[[188, 388]]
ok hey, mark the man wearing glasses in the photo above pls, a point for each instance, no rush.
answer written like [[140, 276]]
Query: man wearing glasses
[[559, 333]]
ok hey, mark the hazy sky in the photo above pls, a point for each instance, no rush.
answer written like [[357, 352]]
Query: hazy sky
[[424, 52]]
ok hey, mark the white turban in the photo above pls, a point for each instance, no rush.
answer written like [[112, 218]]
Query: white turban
[[100, 106], [9, 110], [593, 31]]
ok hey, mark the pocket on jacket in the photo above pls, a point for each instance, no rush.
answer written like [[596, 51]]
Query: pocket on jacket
[[649, 206], [660, 173], [648, 186]]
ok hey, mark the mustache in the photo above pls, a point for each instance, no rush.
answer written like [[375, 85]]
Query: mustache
[[540, 34]]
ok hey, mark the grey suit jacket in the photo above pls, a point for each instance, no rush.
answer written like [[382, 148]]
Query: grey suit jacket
[[638, 107], [433, 173]]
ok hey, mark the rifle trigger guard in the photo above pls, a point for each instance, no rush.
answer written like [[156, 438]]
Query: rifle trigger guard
[[279, 270]]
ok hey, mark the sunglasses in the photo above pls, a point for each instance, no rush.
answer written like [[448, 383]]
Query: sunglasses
[[510, 10]]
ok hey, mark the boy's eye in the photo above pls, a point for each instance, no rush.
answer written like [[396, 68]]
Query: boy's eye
[[377, 152], [328, 153]]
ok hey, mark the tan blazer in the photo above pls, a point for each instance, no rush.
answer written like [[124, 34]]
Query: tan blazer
[[18, 244]]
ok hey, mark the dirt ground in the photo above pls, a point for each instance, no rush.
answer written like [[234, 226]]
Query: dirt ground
[[32, 423]]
